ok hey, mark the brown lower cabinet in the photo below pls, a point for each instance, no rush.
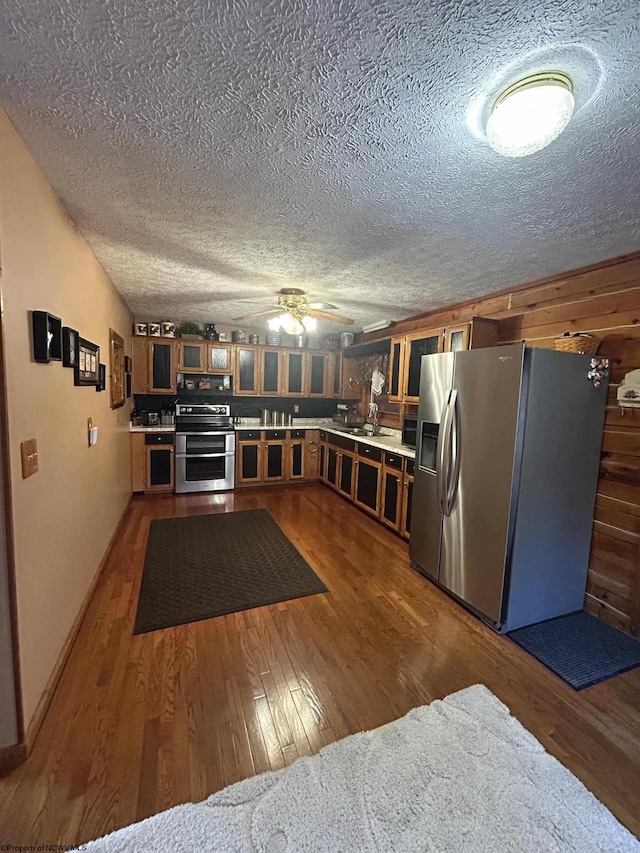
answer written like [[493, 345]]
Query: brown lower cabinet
[[377, 481], [152, 462], [268, 456]]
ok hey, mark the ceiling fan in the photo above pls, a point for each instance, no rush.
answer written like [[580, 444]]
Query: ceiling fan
[[295, 314]]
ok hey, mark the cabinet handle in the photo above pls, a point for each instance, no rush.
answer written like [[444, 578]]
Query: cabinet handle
[[312, 447]]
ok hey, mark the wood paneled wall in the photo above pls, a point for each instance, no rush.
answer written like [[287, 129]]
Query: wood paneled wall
[[605, 300]]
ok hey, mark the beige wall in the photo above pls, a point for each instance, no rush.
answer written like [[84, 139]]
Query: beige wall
[[65, 515]]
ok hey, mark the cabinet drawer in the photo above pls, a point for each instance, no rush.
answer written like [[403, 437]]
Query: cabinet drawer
[[158, 438], [370, 452], [393, 460], [297, 433], [344, 443], [249, 435], [275, 434], [410, 466]]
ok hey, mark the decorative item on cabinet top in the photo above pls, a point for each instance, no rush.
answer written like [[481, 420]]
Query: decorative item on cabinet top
[[578, 342], [189, 329]]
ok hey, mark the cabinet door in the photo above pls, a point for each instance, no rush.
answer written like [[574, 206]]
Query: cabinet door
[[407, 496], [323, 462], [220, 358], [296, 468], [317, 374], [162, 367], [312, 455], [391, 498], [332, 465], [367, 491], [249, 462], [274, 461], [246, 375], [271, 372], [415, 347], [396, 370], [192, 356], [141, 374], [346, 470], [159, 469], [294, 373], [138, 462], [456, 339], [335, 374]]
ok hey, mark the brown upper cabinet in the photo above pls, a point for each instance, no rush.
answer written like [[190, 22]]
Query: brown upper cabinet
[[271, 372], [192, 356], [247, 373], [220, 358], [294, 373], [407, 351], [205, 357], [154, 366], [417, 345], [317, 384]]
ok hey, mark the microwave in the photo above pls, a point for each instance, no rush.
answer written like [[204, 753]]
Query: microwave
[[410, 430]]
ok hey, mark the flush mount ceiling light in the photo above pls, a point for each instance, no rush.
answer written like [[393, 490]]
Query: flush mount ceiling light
[[530, 114]]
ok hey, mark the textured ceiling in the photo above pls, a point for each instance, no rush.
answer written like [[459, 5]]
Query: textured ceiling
[[213, 151]]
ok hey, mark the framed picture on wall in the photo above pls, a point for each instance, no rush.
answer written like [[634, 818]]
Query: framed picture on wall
[[70, 347], [87, 369], [116, 370], [101, 384], [128, 384]]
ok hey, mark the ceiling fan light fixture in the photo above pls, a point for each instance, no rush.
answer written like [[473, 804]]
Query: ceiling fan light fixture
[[291, 324], [310, 324], [530, 114]]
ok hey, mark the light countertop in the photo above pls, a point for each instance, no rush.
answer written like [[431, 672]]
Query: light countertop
[[152, 428], [387, 440]]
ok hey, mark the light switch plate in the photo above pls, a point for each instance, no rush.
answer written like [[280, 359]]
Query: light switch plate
[[29, 456]]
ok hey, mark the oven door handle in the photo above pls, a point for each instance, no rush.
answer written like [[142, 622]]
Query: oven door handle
[[204, 455], [202, 432]]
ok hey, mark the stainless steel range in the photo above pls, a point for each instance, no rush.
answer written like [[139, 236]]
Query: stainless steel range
[[205, 448]]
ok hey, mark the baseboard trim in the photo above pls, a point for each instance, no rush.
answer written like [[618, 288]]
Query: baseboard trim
[[11, 757], [45, 700]]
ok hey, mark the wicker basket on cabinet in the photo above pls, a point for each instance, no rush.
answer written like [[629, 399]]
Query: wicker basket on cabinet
[[586, 344]]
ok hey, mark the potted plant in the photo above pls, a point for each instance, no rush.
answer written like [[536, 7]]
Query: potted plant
[[189, 329]]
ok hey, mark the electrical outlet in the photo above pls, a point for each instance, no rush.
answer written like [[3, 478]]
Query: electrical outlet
[[296, 408]]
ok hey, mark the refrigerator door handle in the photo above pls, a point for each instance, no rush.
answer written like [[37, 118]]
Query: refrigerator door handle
[[442, 454], [453, 450]]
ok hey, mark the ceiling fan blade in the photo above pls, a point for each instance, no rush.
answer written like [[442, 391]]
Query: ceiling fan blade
[[258, 314], [324, 315], [323, 306]]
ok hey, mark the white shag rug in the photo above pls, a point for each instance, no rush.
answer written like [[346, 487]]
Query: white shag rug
[[459, 775]]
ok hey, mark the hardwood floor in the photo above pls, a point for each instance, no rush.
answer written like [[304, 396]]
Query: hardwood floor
[[142, 723]]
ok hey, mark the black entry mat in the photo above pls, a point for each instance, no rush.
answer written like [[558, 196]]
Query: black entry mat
[[209, 565], [580, 648]]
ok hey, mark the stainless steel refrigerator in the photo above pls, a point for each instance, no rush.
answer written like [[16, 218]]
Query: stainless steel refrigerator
[[507, 459]]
